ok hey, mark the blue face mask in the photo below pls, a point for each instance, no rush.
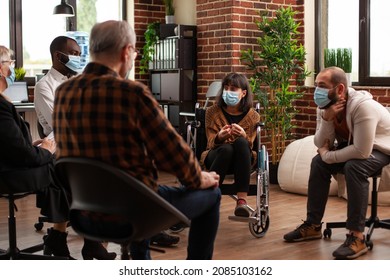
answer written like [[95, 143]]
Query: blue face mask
[[231, 98], [11, 78], [321, 98], [74, 63]]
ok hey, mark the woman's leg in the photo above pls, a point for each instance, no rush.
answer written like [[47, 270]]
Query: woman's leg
[[219, 160]]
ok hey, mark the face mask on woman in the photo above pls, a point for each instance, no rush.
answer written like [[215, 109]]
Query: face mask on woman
[[231, 98], [11, 78]]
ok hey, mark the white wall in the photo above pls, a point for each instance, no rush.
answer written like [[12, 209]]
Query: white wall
[[309, 19], [185, 12]]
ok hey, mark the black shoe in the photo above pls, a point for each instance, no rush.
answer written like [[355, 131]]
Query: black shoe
[[55, 244], [95, 250], [164, 239]]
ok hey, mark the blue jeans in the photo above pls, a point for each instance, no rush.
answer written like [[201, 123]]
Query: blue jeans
[[202, 208]]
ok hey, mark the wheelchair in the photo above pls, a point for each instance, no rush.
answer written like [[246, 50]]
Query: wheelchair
[[259, 220]]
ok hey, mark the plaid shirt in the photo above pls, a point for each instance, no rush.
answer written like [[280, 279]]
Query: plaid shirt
[[100, 115]]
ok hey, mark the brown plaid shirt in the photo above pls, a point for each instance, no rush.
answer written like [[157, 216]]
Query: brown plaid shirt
[[100, 115]]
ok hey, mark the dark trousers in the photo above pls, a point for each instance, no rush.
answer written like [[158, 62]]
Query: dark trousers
[[202, 208], [52, 198], [357, 172], [232, 158]]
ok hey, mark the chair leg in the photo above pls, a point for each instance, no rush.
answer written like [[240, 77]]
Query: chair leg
[[371, 223], [13, 251]]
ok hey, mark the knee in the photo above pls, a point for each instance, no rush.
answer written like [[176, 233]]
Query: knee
[[241, 142], [316, 161], [354, 167]]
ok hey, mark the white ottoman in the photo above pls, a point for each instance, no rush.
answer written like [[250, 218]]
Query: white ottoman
[[294, 167]]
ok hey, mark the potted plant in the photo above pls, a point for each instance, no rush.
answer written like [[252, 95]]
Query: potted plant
[[20, 72], [148, 50], [169, 12], [278, 75], [340, 57], [329, 57]]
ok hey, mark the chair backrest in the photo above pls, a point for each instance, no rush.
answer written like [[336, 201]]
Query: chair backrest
[[212, 91], [109, 204]]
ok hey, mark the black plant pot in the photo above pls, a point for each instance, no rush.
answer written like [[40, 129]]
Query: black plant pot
[[273, 173]]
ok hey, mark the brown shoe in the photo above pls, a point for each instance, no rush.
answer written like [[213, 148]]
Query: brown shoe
[[305, 231], [352, 248]]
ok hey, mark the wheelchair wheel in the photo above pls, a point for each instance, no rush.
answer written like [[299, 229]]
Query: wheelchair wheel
[[258, 230]]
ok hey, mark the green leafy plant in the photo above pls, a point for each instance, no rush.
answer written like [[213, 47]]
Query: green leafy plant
[[329, 57], [19, 74], [278, 75], [151, 38], [340, 57], [344, 59], [169, 7]]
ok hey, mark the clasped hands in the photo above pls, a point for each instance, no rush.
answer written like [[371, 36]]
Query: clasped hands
[[231, 130]]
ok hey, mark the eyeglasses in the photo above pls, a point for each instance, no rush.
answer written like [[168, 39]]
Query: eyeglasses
[[10, 62], [136, 52]]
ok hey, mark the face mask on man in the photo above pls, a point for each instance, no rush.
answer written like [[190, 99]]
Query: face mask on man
[[231, 98], [11, 78], [321, 98], [73, 63]]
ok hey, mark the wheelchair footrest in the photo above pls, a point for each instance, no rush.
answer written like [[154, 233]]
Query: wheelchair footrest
[[251, 220]]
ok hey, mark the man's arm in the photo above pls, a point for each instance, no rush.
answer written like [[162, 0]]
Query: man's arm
[[44, 104]]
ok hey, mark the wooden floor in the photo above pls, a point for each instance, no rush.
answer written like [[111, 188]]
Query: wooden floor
[[234, 240]]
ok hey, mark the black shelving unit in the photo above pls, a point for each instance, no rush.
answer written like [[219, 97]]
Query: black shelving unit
[[173, 72]]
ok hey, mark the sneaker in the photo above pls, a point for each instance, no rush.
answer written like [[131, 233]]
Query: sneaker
[[306, 231], [241, 208], [352, 248], [164, 239]]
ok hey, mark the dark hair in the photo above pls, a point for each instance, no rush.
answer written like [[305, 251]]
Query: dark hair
[[239, 81], [59, 44]]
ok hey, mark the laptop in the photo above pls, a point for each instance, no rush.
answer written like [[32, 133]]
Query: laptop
[[18, 94]]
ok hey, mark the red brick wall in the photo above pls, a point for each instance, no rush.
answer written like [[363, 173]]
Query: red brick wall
[[225, 27], [145, 12]]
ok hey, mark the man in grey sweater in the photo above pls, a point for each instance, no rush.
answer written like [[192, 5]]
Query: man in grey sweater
[[353, 138]]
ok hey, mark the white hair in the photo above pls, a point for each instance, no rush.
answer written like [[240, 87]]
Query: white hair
[[110, 37]]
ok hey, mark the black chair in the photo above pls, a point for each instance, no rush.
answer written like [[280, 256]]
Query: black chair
[[372, 222], [12, 188], [110, 205]]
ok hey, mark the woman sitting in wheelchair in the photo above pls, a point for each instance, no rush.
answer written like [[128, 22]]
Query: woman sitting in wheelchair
[[231, 130]]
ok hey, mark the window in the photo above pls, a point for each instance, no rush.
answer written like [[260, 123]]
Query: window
[[360, 25], [31, 39], [4, 23]]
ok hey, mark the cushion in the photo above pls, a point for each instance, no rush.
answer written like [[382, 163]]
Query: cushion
[[294, 167]]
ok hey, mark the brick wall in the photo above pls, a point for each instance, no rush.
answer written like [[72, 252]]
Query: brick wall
[[145, 12], [225, 27]]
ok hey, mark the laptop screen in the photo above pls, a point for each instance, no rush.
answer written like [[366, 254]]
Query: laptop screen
[[17, 92]]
